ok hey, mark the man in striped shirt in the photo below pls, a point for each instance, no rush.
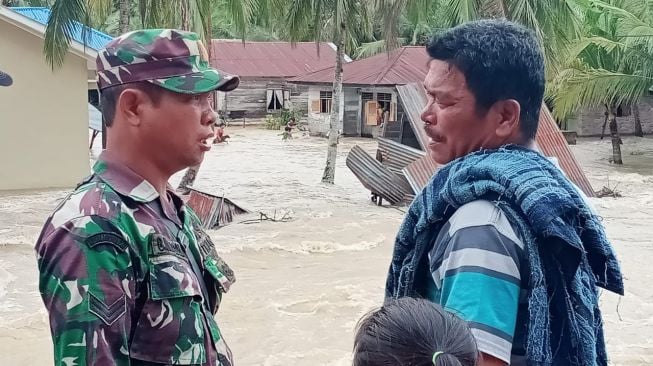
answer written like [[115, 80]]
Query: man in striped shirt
[[485, 87]]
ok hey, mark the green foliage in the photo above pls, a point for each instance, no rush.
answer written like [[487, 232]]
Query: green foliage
[[273, 122], [611, 63], [288, 114]]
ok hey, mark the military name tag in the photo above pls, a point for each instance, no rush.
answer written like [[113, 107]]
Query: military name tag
[[159, 245]]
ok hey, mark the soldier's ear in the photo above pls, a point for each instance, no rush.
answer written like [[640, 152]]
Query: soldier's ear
[[131, 105]]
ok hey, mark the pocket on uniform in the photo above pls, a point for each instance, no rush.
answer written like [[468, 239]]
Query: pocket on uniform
[[171, 274], [170, 328]]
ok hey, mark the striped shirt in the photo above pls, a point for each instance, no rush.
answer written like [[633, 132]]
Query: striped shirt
[[478, 268]]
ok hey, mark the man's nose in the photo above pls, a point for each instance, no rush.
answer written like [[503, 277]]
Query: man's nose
[[209, 116], [427, 115]]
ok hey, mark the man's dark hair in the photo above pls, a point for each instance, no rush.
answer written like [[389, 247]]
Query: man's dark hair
[[500, 60], [410, 332], [109, 97]]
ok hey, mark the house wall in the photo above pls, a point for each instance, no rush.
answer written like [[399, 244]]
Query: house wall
[[352, 115], [589, 121], [251, 96], [43, 116], [372, 130], [318, 123]]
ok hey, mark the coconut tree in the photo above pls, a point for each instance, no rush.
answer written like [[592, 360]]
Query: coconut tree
[[611, 65], [556, 22], [194, 15], [341, 22]]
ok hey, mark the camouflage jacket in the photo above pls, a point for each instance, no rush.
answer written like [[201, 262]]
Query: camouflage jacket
[[117, 279]]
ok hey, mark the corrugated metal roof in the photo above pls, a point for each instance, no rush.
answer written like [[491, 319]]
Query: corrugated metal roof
[[94, 38], [552, 143], [549, 137], [374, 176], [213, 211], [413, 99], [270, 59], [420, 172], [402, 66], [396, 156]]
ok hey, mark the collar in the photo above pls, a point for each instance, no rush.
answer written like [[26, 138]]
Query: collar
[[124, 180]]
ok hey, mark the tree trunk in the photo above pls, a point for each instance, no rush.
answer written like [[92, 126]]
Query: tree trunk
[[123, 21], [189, 177], [638, 122], [185, 15], [614, 134], [334, 119], [605, 121]]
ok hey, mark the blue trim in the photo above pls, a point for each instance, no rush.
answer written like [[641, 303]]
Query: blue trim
[[94, 38]]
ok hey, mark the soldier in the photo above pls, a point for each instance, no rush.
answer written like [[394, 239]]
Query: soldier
[[126, 272]]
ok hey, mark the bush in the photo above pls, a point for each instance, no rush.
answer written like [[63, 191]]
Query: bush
[[273, 123], [287, 114]]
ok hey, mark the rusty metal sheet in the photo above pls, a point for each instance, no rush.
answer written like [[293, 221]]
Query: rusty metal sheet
[[413, 100], [270, 59], [213, 211], [552, 142], [419, 172], [374, 176], [396, 156], [402, 66], [550, 139]]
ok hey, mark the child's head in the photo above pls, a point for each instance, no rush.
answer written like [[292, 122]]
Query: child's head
[[413, 332]]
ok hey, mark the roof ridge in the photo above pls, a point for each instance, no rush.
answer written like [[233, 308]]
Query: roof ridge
[[385, 71]]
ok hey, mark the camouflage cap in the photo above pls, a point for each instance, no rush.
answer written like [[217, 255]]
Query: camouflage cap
[[173, 59]]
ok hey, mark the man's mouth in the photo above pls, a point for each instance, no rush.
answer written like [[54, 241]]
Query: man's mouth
[[436, 139], [206, 143]]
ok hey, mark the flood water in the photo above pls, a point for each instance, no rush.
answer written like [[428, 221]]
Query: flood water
[[303, 284]]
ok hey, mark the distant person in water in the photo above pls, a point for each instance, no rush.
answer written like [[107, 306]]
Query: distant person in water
[[287, 130], [413, 332], [219, 134]]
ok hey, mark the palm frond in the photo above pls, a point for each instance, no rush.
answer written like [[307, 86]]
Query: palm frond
[[374, 48], [99, 11], [299, 15], [61, 27], [587, 87], [461, 11]]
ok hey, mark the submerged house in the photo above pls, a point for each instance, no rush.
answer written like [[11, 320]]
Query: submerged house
[[368, 89], [264, 69], [44, 114]]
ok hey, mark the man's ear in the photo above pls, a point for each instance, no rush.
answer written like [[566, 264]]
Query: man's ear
[[508, 112], [130, 105]]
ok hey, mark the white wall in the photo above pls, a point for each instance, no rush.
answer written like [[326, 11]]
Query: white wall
[[318, 123], [43, 116]]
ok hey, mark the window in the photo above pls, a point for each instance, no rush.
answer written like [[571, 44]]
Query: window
[[275, 99], [326, 98], [384, 100]]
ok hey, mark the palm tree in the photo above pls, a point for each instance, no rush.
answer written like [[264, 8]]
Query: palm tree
[[610, 66], [342, 22], [194, 15], [556, 22]]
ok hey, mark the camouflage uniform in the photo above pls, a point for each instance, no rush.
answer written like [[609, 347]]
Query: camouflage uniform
[[129, 278]]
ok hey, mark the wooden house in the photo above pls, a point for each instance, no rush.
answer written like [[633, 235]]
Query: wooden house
[[264, 69], [369, 93]]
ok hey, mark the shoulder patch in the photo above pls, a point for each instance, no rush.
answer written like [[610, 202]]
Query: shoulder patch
[[106, 239]]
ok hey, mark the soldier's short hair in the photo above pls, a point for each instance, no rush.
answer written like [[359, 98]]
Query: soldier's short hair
[[109, 97]]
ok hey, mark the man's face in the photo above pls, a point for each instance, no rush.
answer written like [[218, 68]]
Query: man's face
[[177, 128], [451, 120]]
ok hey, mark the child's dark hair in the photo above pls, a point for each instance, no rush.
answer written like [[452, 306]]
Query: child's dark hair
[[413, 332]]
